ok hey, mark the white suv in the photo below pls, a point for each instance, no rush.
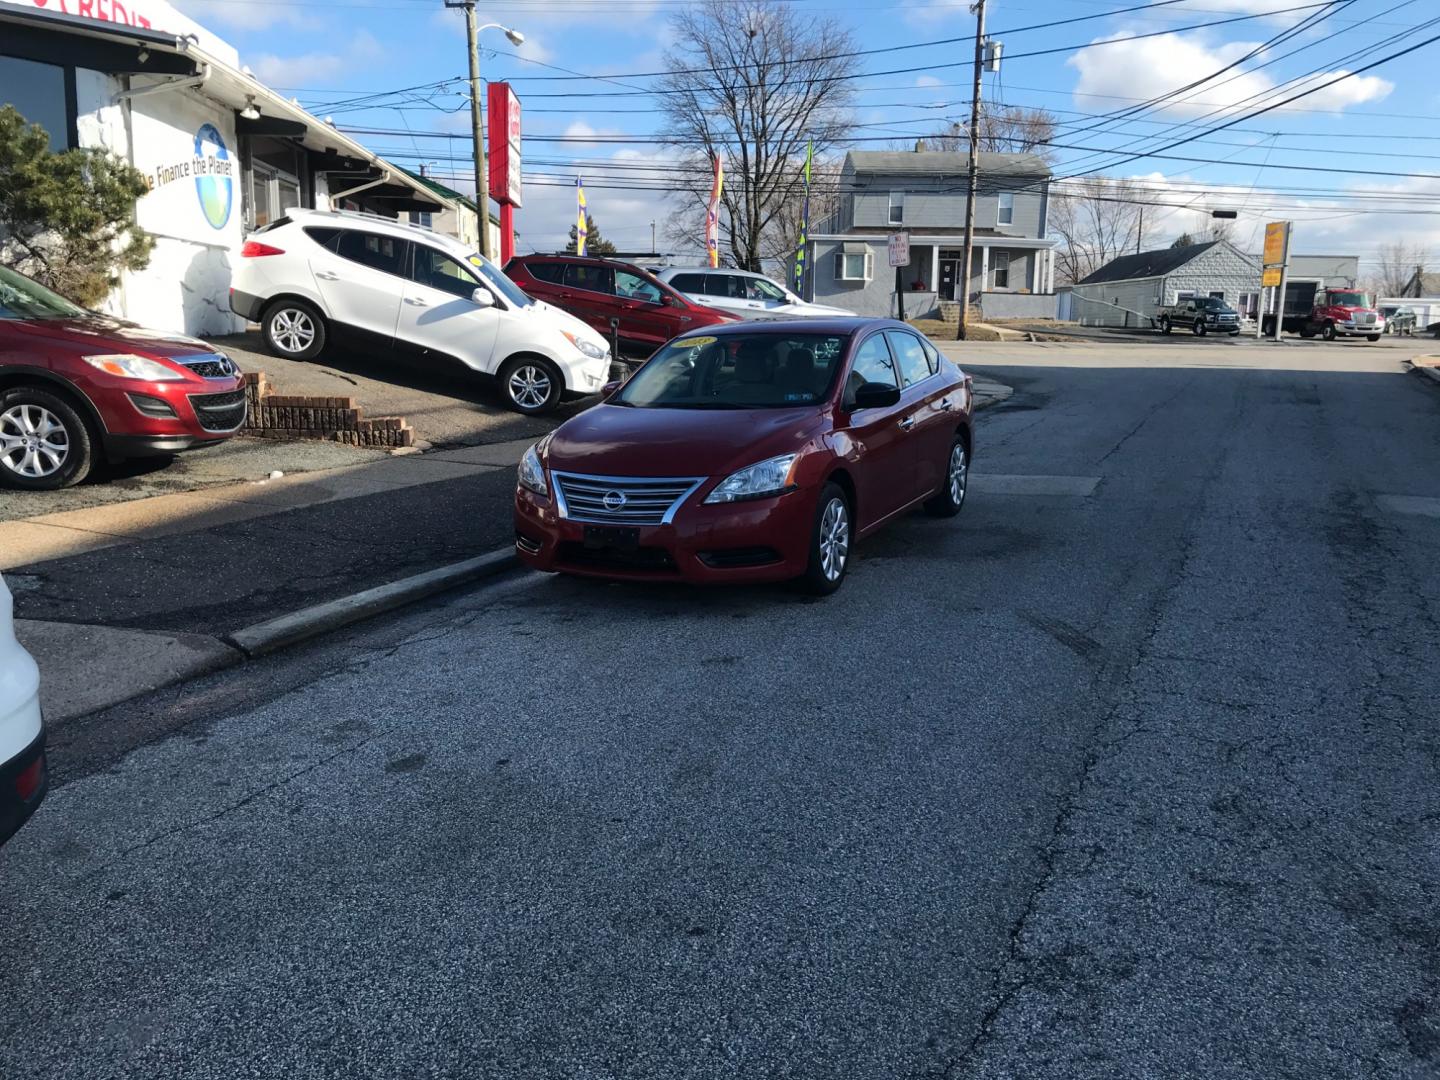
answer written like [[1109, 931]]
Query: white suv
[[23, 776], [314, 274], [740, 292]]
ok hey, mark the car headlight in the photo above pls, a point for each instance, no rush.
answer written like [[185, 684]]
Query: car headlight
[[587, 348], [531, 473], [130, 366], [768, 477]]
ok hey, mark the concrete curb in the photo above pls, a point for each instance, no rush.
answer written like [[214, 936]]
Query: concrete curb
[[1426, 370], [298, 626]]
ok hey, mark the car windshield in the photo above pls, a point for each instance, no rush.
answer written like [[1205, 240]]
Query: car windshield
[[736, 371], [1214, 303], [21, 298], [1350, 299], [496, 279]]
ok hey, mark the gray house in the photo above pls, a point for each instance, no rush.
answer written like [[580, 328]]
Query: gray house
[[923, 193], [1130, 290]]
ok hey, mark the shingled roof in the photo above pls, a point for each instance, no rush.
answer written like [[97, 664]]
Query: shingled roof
[[944, 163], [1148, 264]]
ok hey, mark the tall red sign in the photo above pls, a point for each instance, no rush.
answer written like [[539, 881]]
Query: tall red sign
[[504, 149]]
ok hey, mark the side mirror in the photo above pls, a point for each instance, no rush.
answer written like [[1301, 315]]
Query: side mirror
[[482, 297], [610, 387], [874, 395], [673, 301]]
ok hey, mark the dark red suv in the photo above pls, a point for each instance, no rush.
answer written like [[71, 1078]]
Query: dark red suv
[[645, 311], [74, 384]]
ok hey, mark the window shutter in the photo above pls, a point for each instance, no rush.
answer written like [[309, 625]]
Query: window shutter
[[869, 265], [839, 266]]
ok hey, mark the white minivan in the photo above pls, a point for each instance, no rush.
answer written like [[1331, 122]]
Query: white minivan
[[23, 776], [316, 274]]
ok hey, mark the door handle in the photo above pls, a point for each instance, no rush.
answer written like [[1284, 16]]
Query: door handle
[[907, 423], [327, 275], [946, 405], [417, 301]]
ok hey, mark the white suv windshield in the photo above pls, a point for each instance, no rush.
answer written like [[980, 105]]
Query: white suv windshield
[[496, 279]]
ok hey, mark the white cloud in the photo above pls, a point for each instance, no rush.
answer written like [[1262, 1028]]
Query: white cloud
[[249, 16], [1156, 66], [307, 69], [587, 135]]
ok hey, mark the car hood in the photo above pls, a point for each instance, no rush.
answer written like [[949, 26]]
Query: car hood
[[104, 334], [563, 320], [616, 440], [1351, 312]]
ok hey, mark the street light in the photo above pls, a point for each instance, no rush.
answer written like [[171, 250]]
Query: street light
[[477, 116]]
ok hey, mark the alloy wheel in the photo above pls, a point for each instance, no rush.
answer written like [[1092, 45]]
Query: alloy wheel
[[33, 441], [292, 330], [959, 473], [529, 386], [834, 539]]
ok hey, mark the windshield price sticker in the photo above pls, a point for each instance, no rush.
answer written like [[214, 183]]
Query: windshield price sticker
[[695, 342]]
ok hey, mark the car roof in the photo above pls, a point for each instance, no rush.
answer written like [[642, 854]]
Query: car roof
[[710, 270], [353, 219], [841, 327]]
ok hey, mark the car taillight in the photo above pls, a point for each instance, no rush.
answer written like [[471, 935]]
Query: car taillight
[[29, 780], [253, 249]]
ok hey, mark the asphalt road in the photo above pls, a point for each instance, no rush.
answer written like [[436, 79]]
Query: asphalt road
[[1129, 771]]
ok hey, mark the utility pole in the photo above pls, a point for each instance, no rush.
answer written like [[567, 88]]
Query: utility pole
[[477, 127], [1140, 230], [974, 173]]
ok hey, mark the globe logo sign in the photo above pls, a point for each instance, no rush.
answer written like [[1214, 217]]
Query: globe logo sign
[[214, 170]]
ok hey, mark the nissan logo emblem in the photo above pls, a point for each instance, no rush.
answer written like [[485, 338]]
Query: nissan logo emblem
[[614, 501]]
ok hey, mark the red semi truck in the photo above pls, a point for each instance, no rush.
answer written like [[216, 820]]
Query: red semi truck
[[1311, 310]]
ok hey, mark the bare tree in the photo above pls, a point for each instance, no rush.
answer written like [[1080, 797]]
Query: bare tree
[[754, 81], [1004, 129], [1397, 263], [1098, 219]]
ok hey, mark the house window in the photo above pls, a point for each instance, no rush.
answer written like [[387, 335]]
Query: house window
[[852, 266], [1006, 214], [38, 93], [271, 194], [1183, 295], [1220, 295], [422, 218], [1002, 270], [897, 208]]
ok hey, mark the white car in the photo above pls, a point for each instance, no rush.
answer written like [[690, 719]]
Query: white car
[[749, 295], [315, 274], [23, 775]]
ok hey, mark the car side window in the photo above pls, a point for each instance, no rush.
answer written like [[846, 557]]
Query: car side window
[[911, 356], [691, 283], [636, 287], [599, 279], [552, 272], [873, 363], [932, 355], [439, 271], [379, 252], [326, 238], [727, 285]]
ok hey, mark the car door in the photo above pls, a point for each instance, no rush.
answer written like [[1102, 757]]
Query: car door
[[726, 292], [929, 408], [881, 453], [645, 318], [438, 314], [588, 292], [361, 280]]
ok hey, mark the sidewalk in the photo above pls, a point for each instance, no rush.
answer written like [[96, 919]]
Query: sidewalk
[[121, 598]]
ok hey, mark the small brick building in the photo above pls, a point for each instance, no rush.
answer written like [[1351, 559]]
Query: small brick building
[[1130, 290]]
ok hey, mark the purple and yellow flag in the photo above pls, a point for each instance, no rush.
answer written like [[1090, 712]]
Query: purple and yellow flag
[[712, 213], [804, 224], [582, 229]]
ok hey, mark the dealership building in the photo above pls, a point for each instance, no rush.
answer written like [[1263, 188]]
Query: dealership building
[[223, 154]]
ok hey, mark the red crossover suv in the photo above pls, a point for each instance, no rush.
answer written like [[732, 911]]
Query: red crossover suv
[[645, 311], [753, 452], [74, 384]]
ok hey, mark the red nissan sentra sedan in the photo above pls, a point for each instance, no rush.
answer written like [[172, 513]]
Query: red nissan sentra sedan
[[750, 452]]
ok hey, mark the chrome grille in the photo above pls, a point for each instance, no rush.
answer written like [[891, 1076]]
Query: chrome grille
[[210, 366], [622, 500], [219, 412], [1365, 320]]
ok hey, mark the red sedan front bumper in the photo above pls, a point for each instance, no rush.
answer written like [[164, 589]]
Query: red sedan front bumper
[[142, 418], [727, 544]]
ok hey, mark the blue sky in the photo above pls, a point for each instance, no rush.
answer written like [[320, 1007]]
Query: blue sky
[[1384, 121]]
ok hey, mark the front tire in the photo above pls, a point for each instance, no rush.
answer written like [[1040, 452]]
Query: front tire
[[951, 497], [830, 541], [1372, 337], [530, 385], [1164, 326], [45, 444], [294, 330], [1329, 332], [1199, 328]]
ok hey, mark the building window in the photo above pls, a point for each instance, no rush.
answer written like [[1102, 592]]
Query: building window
[[1219, 295], [421, 217], [897, 208], [1183, 295], [1006, 214], [39, 95], [1002, 269], [852, 266], [271, 194]]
